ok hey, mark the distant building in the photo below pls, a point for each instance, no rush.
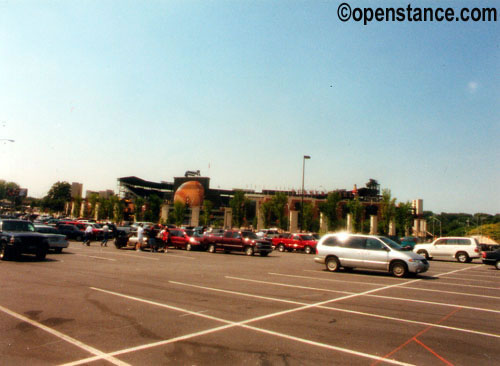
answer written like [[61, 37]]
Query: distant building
[[76, 190], [106, 194]]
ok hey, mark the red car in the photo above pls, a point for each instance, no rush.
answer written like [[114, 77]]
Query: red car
[[298, 241], [178, 238]]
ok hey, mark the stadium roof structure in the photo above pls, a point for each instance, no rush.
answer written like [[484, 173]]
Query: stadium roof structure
[[143, 188]]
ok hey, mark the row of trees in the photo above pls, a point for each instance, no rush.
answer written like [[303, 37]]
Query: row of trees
[[273, 212]]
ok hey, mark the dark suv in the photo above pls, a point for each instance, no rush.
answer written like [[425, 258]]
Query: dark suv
[[18, 237]]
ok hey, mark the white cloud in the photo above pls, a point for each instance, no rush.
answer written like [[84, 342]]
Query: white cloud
[[472, 86]]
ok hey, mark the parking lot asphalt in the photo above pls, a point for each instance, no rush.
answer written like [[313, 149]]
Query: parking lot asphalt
[[99, 306]]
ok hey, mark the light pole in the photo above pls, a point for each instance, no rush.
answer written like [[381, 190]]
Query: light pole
[[302, 201], [440, 228]]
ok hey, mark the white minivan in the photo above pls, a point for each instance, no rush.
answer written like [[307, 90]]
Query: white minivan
[[459, 248]]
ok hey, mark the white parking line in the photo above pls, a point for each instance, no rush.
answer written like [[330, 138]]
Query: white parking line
[[136, 255], [402, 284], [378, 296], [471, 278], [244, 324], [66, 338], [339, 310], [178, 256], [93, 256]]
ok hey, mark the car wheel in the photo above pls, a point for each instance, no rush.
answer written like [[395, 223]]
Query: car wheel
[[332, 264], [249, 251], [399, 269], [79, 238], [462, 257], [424, 254], [4, 252], [497, 264], [58, 250], [41, 252], [188, 247], [211, 248], [308, 249], [281, 248]]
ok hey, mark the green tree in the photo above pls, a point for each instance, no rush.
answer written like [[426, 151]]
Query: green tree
[[267, 212], [387, 211], [138, 203], [207, 211], [77, 205], [279, 201], [179, 213], [153, 208], [238, 204], [355, 208], [11, 193], [329, 208], [118, 209], [309, 220], [93, 200], [56, 198], [490, 230], [404, 219]]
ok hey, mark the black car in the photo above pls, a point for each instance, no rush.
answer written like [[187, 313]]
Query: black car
[[19, 237], [71, 232], [492, 258]]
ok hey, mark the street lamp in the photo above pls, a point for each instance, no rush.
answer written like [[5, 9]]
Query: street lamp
[[440, 228], [302, 201]]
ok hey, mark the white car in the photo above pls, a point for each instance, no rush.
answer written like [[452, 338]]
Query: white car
[[367, 251], [460, 248]]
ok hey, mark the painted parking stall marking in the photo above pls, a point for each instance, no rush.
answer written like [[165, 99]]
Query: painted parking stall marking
[[437, 325], [64, 337], [245, 323]]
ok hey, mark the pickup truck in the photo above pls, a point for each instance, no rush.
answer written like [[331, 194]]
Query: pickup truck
[[290, 242], [18, 237], [241, 241]]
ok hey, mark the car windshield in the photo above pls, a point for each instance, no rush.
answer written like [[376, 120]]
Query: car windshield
[[189, 232], [391, 243], [17, 226], [249, 235], [47, 230], [307, 237]]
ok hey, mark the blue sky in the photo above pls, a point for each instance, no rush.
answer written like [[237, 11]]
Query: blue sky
[[241, 90]]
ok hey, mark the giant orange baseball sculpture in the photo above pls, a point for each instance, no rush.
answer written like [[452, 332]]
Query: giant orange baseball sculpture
[[190, 193]]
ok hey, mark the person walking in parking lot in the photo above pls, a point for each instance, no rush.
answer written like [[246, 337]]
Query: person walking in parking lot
[[87, 235], [140, 237], [105, 233], [163, 236]]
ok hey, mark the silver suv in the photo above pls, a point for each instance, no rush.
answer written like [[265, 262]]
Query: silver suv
[[367, 251]]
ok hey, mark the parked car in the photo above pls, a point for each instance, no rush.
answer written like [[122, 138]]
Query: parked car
[[19, 237], [410, 241], [242, 241], [57, 241], [121, 238], [492, 258], [267, 233], [297, 241], [460, 248], [71, 231], [178, 238], [368, 252]]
